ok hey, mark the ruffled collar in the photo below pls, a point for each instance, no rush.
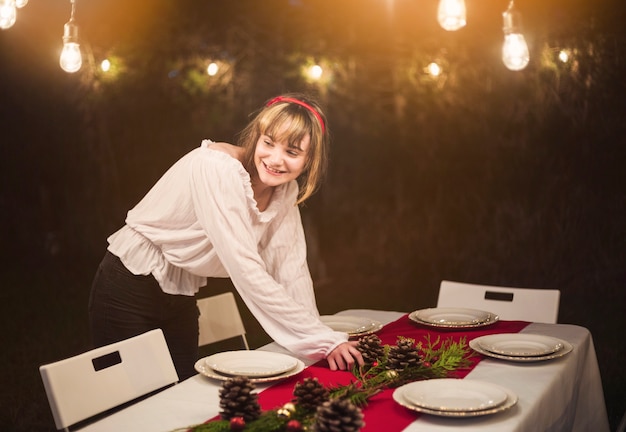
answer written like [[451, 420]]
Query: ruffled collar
[[278, 197]]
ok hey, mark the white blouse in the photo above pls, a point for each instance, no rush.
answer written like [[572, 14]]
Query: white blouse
[[201, 220]]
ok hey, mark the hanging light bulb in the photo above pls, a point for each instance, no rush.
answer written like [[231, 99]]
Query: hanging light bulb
[[20, 3], [452, 14], [515, 49], [8, 14], [71, 59]]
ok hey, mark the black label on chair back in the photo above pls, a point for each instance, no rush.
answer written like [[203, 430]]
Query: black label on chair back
[[106, 361], [492, 295]]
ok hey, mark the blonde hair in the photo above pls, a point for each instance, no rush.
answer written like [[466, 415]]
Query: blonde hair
[[301, 121]]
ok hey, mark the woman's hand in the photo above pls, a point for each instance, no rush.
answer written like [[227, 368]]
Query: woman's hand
[[344, 356]]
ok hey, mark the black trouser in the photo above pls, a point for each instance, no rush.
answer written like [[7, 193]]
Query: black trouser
[[122, 305]]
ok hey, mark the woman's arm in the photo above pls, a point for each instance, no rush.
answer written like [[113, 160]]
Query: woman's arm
[[223, 209]]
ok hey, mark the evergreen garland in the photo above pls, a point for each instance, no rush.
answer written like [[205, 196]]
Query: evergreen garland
[[424, 360]]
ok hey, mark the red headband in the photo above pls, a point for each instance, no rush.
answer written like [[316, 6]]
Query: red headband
[[299, 102]]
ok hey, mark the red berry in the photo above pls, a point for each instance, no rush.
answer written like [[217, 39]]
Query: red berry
[[237, 424], [294, 426]]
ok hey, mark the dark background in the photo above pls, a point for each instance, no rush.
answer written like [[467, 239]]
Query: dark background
[[483, 175]]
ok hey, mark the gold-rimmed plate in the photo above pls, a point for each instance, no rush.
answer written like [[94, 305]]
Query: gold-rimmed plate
[[520, 344], [251, 363], [353, 325], [449, 394], [203, 369], [453, 317], [475, 344], [399, 396]]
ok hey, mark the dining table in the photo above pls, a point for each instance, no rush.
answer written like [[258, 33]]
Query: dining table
[[560, 394]]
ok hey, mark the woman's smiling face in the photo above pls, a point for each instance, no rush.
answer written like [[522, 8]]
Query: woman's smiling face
[[277, 161]]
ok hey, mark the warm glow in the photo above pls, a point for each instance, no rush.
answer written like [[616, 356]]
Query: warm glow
[[105, 65], [452, 14], [315, 72], [564, 56], [8, 14], [212, 69], [71, 59], [433, 69], [515, 52], [21, 3]]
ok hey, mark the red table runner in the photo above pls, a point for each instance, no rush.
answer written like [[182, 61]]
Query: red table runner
[[382, 413]]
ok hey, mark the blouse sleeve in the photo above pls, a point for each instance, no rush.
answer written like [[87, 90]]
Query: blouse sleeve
[[289, 316], [284, 253]]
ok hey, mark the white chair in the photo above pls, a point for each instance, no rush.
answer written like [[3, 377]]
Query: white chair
[[524, 304], [91, 383], [220, 320]]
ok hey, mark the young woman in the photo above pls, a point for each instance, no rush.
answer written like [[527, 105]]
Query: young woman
[[224, 211]]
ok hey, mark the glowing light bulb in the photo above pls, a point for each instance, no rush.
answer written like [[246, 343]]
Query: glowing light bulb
[[21, 3], [8, 14], [105, 65], [433, 69], [316, 72], [515, 52], [71, 59], [515, 55], [452, 14], [212, 69], [564, 56]]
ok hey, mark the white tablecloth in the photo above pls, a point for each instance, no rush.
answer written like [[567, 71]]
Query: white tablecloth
[[558, 395]]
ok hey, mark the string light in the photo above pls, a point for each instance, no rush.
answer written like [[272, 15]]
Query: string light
[[212, 69], [452, 14], [8, 14], [315, 72], [71, 59], [515, 49], [105, 65], [433, 69]]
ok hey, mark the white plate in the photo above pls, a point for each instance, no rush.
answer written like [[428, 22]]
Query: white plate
[[448, 394], [400, 398], [475, 345], [251, 363], [203, 369], [353, 325], [520, 344], [453, 317]]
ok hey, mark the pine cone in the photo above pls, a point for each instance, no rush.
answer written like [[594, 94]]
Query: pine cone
[[338, 415], [237, 399], [403, 355], [310, 394], [371, 348]]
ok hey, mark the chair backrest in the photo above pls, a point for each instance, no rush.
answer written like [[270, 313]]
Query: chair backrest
[[524, 304], [88, 384], [220, 319]]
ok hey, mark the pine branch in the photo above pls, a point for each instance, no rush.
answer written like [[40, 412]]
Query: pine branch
[[430, 359]]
